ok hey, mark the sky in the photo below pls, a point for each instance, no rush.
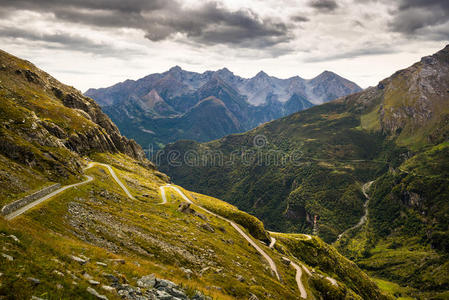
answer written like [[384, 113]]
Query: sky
[[97, 43]]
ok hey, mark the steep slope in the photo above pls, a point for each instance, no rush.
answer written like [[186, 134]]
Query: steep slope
[[304, 173], [252, 101], [105, 233], [47, 126], [415, 106]]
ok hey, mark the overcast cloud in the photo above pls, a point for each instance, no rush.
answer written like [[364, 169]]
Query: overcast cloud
[[95, 43]]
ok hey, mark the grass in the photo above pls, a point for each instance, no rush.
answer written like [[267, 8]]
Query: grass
[[159, 238], [405, 238], [98, 221], [370, 121], [254, 225], [393, 289]]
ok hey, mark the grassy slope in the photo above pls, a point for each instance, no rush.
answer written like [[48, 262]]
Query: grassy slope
[[98, 221], [18, 181], [40, 120], [133, 230], [324, 260]]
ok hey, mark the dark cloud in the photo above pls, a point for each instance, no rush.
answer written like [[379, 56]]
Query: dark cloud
[[62, 40], [359, 24], [128, 6], [324, 5], [299, 19], [368, 49], [406, 4], [207, 24], [211, 24], [421, 17]]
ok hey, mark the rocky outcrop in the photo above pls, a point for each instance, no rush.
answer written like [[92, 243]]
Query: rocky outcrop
[[416, 97], [106, 137], [149, 287], [44, 112]]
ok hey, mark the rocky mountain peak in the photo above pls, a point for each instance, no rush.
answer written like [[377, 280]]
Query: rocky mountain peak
[[224, 70], [175, 69], [262, 74], [326, 75], [225, 73]]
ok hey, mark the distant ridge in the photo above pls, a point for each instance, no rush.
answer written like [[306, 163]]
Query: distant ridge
[[165, 103]]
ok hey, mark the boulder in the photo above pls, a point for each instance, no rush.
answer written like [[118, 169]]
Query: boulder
[[8, 257], [79, 260], [187, 272], [96, 294], [253, 297], [108, 288], [207, 227], [111, 277], [58, 273], [164, 283], [94, 282], [34, 281], [14, 238], [146, 282]]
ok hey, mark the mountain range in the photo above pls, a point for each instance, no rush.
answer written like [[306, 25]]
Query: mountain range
[[177, 104], [310, 172]]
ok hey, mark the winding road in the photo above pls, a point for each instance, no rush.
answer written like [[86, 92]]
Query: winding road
[[163, 196], [302, 290], [233, 224], [363, 219], [119, 182], [270, 261], [27, 207]]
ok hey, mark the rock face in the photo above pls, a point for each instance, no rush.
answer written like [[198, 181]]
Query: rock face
[[178, 104], [48, 125], [417, 98]]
